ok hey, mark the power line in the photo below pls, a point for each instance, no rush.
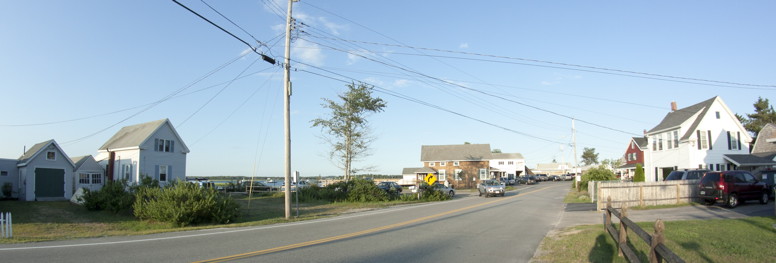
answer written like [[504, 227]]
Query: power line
[[656, 76], [408, 98], [233, 23], [479, 91], [263, 57]]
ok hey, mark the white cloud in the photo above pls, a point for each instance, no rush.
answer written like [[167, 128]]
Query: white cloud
[[401, 83], [308, 52], [333, 27], [463, 45], [374, 81]]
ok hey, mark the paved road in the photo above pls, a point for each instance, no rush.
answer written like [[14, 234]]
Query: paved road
[[466, 229]]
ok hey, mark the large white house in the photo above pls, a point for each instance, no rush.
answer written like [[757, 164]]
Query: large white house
[[153, 149], [695, 137], [507, 165]]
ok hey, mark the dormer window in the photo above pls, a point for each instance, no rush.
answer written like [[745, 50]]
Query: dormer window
[[51, 155]]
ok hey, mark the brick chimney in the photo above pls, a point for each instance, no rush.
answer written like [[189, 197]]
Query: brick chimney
[[673, 106]]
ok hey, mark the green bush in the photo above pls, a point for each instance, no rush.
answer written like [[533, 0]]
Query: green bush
[[113, 197], [361, 190], [184, 204], [639, 176], [596, 174]]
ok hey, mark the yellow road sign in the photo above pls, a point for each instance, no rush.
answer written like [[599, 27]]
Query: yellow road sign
[[430, 178]]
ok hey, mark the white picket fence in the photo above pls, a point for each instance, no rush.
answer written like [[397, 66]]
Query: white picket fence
[[6, 225]]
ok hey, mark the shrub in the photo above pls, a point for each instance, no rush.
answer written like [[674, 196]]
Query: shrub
[[7, 190], [596, 174], [184, 204], [113, 197], [361, 190], [639, 175]]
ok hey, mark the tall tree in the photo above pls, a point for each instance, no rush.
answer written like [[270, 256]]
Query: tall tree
[[346, 128], [589, 156], [763, 114]]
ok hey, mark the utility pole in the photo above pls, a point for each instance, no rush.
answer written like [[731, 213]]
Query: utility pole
[[287, 109], [574, 142]]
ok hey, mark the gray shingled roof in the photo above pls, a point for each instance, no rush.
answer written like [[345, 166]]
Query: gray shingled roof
[[641, 141], [78, 161], [458, 152], [751, 159], [506, 156], [761, 145], [134, 135], [33, 150], [676, 118]]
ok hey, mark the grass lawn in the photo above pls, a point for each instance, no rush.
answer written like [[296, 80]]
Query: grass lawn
[[717, 240], [45, 221]]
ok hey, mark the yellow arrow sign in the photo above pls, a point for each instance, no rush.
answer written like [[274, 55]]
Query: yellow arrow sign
[[430, 178]]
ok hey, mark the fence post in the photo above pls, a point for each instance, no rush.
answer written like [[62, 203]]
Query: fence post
[[6, 225], [623, 238], [608, 213], [657, 239]]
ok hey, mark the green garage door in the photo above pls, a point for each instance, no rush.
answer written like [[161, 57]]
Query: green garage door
[[49, 182]]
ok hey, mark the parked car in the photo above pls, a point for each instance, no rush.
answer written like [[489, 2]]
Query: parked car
[[685, 175], [731, 187], [769, 178], [542, 178], [526, 180], [445, 189], [258, 187], [389, 186], [491, 188], [555, 178], [506, 181]]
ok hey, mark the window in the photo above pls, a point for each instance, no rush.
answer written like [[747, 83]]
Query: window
[[676, 139], [669, 141], [442, 163], [710, 167], [51, 155], [510, 162], [431, 164], [717, 114], [126, 172], [738, 140], [660, 142], [703, 143], [164, 145], [654, 143], [3, 173], [718, 169], [455, 163], [633, 145], [163, 169], [96, 178], [83, 179], [501, 163], [749, 178], [442, 175], [483, 174], [458, 174]]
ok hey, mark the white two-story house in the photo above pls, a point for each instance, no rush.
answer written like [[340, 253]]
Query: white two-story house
[[153, 149], [695, 137], [507, 165]]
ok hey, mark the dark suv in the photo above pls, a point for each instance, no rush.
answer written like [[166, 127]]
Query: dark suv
[[731, 187]]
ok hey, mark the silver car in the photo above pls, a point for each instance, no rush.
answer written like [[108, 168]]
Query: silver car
[[491, 188]]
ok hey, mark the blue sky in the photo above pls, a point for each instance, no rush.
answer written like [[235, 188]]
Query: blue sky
[[78, 71]]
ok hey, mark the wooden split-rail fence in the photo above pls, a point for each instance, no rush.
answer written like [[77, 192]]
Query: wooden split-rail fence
[[658, 252]]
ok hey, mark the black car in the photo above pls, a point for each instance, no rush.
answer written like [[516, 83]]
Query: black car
[[389, 186], [526, 180], [555, 178]]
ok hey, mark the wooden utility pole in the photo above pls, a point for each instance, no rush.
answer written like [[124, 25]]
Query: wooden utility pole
[[287, 109]]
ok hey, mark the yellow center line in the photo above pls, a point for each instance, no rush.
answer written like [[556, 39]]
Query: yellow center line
[[360, 233]]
